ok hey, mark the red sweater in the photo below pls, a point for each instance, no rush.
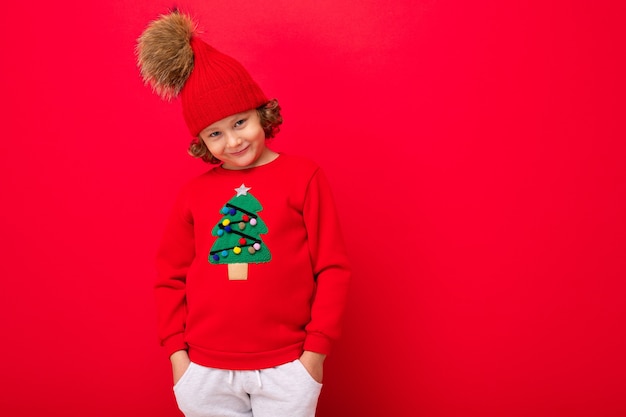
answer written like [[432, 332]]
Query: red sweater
[[278, 218]]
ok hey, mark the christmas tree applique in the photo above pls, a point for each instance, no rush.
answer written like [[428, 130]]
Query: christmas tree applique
[[238, 235]]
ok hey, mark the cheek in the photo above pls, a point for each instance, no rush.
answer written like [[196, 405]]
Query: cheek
[[259, 134], [212, 145]]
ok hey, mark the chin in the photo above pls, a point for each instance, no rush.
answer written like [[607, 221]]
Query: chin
[[238, 164]]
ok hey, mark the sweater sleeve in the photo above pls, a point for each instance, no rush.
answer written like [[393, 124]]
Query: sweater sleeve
[[174, 257], [330, 266]]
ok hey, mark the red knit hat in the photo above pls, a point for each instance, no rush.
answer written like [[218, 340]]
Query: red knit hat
[[217, 87], [212, 85]]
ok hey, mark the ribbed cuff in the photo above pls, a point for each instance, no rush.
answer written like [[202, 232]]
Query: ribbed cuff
[[174, 343], [317, 342]]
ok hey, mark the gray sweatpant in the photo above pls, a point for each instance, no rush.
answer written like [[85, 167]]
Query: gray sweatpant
[[284, 391]]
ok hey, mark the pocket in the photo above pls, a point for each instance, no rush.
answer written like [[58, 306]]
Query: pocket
[[305, 372], [184, 376]]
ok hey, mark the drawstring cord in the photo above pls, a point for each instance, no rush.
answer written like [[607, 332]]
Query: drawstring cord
[[231, 375], [258, 378]]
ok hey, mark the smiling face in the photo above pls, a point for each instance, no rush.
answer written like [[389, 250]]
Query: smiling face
[[238, 141]]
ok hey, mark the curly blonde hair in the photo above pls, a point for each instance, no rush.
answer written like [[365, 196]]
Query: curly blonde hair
[[270, 118]]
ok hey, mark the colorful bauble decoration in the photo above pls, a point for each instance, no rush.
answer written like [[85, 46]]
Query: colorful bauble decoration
[[239, 231]]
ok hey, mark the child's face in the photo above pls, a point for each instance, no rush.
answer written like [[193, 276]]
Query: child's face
[[238, 140]]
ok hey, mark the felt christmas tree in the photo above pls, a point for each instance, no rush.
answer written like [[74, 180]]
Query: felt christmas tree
[[238, 235]]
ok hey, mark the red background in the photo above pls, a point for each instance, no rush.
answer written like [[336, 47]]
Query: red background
[[476, 150]]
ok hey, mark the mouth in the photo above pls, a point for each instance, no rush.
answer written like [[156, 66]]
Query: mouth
[[241, 152]]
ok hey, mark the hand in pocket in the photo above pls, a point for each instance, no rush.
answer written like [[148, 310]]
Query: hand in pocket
[[180, 363], [314, 364]]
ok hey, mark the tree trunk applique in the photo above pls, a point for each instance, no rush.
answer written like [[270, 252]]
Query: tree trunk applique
[[238, 235]]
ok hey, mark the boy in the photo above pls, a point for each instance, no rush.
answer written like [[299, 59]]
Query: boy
[[252, 271]]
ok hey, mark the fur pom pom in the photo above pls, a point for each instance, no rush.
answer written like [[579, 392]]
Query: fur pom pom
[[164, 54]]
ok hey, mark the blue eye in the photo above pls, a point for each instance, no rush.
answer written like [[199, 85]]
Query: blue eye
[[214, 134], [240, 123]]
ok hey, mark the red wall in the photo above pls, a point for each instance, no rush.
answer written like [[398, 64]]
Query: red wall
[[477, 154]]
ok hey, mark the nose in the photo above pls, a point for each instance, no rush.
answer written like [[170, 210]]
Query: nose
[[232, 139]]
